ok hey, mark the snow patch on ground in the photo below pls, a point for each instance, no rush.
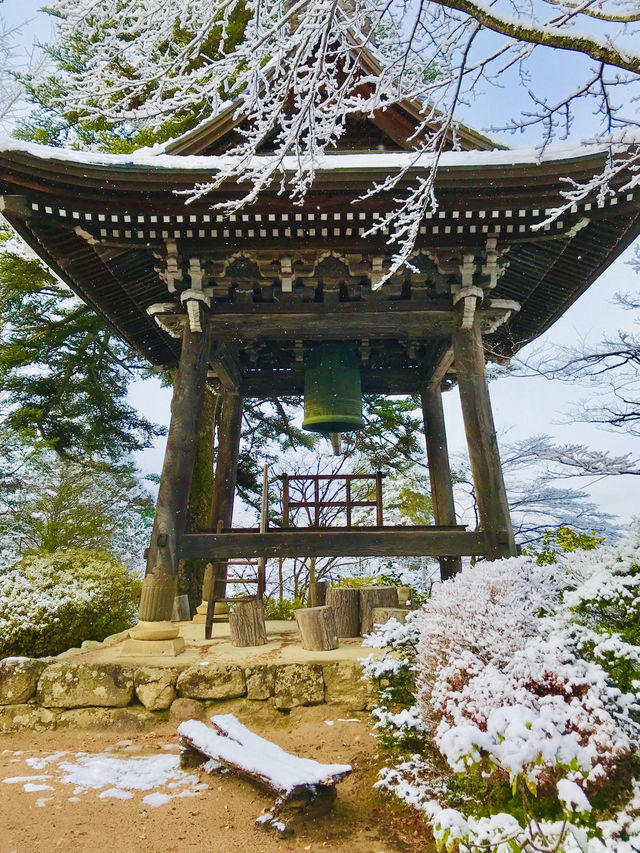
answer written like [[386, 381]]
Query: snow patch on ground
[[111, 777]]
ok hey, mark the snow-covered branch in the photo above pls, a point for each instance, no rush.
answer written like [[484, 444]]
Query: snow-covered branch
[[299, 70]]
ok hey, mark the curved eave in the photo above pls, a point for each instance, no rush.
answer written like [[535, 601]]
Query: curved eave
[[55, 171]]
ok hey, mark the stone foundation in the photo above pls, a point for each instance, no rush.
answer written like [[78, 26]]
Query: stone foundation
[[45, 695]]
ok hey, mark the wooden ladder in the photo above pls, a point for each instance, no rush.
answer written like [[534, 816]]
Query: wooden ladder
[[220, 582]]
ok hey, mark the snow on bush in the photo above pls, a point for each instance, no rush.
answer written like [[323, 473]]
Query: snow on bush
[[51, 602], [519, 683]]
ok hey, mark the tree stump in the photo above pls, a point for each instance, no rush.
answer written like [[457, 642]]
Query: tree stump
[[317, 626], [318, 594], [346, 605], [246, 624], [371, 597]]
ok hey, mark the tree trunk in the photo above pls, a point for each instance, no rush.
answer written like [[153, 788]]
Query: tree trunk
[[191, 572], [371, 597], [246, 624], [317, 626], [346, 605]]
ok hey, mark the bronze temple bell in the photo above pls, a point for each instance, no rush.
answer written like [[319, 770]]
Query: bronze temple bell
[[332, 389]]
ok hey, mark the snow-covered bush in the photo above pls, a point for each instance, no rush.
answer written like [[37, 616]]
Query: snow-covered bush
[[50, 602], [526, 680]]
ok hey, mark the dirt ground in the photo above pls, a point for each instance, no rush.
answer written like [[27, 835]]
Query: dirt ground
[[218, 818]]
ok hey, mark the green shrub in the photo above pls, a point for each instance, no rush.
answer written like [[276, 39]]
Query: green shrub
[[51, 602], [283, 610]]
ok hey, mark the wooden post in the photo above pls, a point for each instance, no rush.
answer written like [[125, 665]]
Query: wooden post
[[285, 500], [229, 433], [491, 495], [379, 515], [317, 626], [372, 597], [160, 582], [345, 603], [224, 486], [444, 511], [246, 624], [318, 593], [175, 482]]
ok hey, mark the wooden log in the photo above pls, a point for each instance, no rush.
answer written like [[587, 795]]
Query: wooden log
[[346, 606], [372, 597], [444, 511], [318, 593], [317, 626], [246, 624], [491, 495]]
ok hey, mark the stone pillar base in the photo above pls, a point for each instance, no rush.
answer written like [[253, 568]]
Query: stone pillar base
[[153, 648], [149, 639], [161, 630], [220, 613]]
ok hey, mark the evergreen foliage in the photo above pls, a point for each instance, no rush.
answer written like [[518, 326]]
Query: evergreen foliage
[[51, 602], [63, 373], [51, 503]]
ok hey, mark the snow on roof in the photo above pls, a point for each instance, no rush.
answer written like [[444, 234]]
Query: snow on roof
[[154, 158]]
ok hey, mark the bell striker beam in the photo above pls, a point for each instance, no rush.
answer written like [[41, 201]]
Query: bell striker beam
[[486, 469], [159, 586], [444, 512]]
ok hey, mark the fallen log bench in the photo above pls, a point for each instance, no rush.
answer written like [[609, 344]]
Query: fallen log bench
[[234, 746]]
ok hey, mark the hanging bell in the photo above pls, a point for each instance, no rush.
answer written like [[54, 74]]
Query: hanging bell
[[332, 390]]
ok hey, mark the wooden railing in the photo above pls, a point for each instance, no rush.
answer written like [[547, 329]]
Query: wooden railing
[[319, 500]]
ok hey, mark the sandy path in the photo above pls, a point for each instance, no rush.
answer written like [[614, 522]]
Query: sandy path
[[219, 818]]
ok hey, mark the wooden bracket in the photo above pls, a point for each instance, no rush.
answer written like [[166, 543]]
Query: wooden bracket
[[225, 366]]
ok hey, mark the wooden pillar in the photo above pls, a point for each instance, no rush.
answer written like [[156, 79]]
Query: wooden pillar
[[229, 433], [444, 511], [491, 495], [159, 587], [224, 486]]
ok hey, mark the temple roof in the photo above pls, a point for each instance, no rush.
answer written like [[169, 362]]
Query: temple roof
[[112, 225]]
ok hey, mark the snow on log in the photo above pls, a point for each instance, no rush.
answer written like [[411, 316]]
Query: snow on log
[[235, 746]]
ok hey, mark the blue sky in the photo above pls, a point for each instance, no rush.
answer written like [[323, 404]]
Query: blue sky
[[522, 407]]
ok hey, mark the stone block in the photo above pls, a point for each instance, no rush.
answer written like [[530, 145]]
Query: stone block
[[260, 682], [186, 709], [18, 718], [298, 684], [171, 648], [211, 681], [76, 685], [343, 685], [381, 615], [19, 679], [155, 687], [120, 719]]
